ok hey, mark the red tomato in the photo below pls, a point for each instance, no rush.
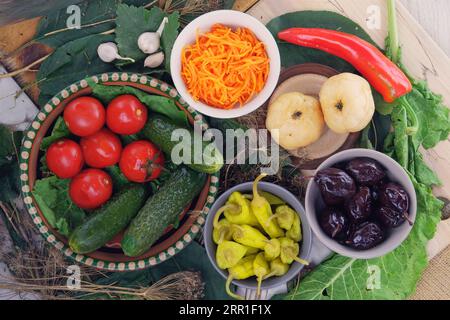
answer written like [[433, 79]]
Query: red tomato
[[91, 188], [102, 149], [126, 115], [84, 116], [64, 158], [141, 161]]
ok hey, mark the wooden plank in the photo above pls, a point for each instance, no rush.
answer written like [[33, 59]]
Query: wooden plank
[[432, 15], [422, 56]]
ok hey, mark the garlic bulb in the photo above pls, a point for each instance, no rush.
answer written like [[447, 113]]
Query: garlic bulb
[[149, 42], [108, 52], [154, 60]]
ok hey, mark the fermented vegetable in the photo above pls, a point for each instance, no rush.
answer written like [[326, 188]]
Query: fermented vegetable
[[289, 252], [347, 103], [243, 270], [285, 216], [229, 253], [237, 211], [225, 68], [261, 269], [222, 231], [249, 236], [263, 212], [295, 120]]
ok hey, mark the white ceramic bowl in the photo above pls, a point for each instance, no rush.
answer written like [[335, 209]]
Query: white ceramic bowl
[[233, 19], [314, 205]]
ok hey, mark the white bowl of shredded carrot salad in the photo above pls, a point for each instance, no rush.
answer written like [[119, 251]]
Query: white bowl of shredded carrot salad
[[225, 64]]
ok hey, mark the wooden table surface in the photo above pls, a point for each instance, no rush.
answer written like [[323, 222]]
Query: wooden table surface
[[432, 15]]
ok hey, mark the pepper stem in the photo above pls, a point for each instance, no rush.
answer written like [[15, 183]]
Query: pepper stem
[[273, 273], [219, 212], [221, 236], [258, 289], [255, 186], [270, 219], [228, 290], [301, 261], [293, 256]]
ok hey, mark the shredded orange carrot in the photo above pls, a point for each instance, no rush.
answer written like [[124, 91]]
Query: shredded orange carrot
[[225, 68]]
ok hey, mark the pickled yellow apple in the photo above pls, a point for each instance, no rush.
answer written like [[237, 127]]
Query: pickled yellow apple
[[347, 103], [295, 120]]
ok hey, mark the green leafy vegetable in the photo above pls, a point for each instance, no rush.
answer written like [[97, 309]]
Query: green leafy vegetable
[[71, 62], [169, 36], [52, 29], [132, 21], [52, 196], [97, 17], [59, 131], [159, 104], [432, 113]]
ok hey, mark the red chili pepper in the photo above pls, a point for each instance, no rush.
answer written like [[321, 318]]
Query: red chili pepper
[[385, 76]]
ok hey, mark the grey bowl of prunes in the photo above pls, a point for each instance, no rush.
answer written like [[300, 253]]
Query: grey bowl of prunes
[[361, 204]]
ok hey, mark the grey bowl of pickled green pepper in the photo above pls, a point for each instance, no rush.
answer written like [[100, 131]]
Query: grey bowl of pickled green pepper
[[290, 200]]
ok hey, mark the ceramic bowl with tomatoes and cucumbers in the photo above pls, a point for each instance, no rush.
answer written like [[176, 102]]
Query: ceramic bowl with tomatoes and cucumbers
[[98, 177]]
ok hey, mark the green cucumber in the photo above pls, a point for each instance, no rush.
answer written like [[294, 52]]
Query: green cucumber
[[159, 130], [118, 178], [161, 210], [106, 222]]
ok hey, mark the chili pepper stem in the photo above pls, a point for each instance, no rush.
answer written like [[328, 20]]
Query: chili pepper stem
[[221, 237], [299, 260], [302, 261], [228, 290], [219, 212], [256, 195], [258, 289], [270, 275], [271, 218]]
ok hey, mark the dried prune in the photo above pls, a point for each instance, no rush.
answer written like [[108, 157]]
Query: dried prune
[[394, 196], [389, 217], [335, 185], [334, 223], [359, 207], [365, 171], [365, 236]]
